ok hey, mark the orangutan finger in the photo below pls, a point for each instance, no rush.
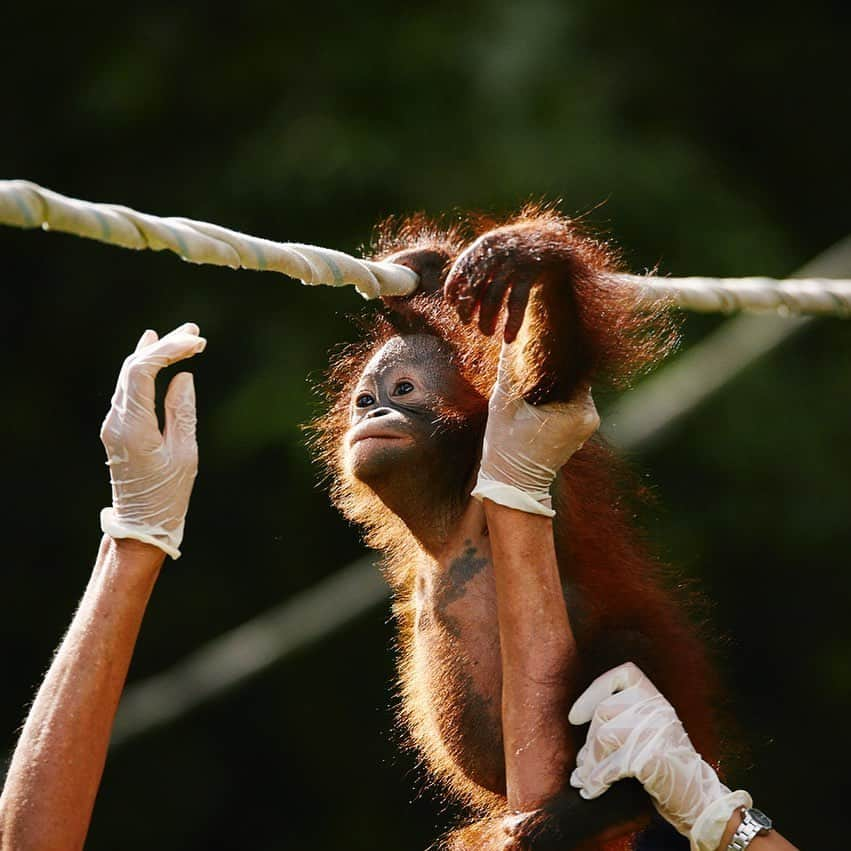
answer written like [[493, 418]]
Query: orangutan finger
[[466, 297], [456, 280], [491, 303], [518, 300]]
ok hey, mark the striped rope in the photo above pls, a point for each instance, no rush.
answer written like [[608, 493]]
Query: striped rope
[[26, 205]]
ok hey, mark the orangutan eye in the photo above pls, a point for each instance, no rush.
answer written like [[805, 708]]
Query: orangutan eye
[[403, 388], [364, 400]]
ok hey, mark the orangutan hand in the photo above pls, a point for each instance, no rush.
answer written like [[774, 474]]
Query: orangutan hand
[[502, 265]]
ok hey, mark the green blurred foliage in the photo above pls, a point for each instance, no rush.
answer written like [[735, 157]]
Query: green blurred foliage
[[707, 140]]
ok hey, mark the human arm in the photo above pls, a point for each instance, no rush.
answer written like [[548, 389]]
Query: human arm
[[537, 649], [52, 781], [524, 448], [635, 732], [54, 775]]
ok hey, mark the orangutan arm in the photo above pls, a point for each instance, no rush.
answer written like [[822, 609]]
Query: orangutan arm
[[537, 649], [573, 322]]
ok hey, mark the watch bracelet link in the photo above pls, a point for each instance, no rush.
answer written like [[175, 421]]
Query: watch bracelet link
[[747, 831]]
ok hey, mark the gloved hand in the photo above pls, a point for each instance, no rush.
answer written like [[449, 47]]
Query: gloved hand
[[635, 732], [526, 445], [152, 473]]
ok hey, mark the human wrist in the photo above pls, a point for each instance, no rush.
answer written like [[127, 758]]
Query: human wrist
[[158, 537], [519, 528], [730, 829], [134, 565], [138, 551], [711, 827], [511, 496]]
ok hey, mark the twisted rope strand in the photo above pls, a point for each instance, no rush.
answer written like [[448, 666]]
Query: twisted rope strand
[[813, 296], [26, 205]]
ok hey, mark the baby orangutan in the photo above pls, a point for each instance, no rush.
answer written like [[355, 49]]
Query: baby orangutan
[[403, 440]]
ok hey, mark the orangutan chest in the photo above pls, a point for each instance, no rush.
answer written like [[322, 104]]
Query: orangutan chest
[[456, 660]]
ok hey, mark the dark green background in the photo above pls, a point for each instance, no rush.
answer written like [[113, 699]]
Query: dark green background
[[710, 138]]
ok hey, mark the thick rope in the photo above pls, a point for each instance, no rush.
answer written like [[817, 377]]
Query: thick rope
[[805, 296], [25, 205]]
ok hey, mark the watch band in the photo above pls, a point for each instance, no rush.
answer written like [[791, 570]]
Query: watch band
[[749, 829]]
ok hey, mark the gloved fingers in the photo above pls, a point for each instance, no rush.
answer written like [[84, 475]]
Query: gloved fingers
[[187, 328], [583, 400], [582, 755], [612, 682], [145, 340], [505, 396], [119, 396], [601, 777], [605, 736], [505, 382], [180, 417], [592, 779], [144, 365], [111, 427], [181, 343], [148, 338], [638, 702], [639, 728], [585, 764], [133, 401], [582, 410]]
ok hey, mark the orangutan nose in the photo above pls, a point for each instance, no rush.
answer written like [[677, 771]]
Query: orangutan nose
[[378, 412]]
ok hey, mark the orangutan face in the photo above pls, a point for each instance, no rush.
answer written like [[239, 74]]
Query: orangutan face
[[396, 408]]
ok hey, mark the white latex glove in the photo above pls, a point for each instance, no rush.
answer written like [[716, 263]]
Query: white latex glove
[[635, 732], [152, 473], [526, 445]]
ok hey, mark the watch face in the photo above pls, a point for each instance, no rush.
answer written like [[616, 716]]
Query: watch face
[[760, 818]]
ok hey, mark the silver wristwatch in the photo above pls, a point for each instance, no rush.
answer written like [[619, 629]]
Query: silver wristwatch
[[754, 823]]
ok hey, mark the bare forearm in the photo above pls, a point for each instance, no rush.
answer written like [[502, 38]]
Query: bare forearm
[[772, 841], [54, 775], [537, 648]]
